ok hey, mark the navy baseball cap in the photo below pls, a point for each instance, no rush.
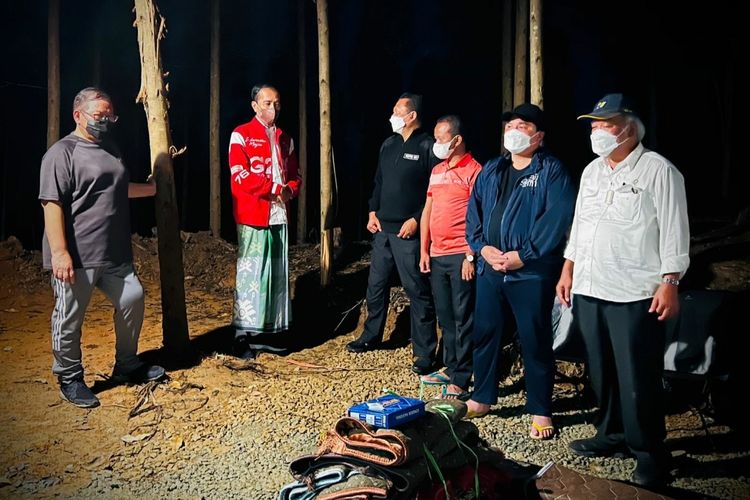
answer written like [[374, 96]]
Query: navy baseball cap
[[528, 113], [608, 106]]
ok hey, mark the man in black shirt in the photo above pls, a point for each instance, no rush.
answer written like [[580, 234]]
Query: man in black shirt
[[401, 180]]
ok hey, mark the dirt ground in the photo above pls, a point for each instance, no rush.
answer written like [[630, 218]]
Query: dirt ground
[[50, 448]]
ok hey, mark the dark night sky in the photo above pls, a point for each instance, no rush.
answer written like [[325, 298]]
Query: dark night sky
[[678, 63]]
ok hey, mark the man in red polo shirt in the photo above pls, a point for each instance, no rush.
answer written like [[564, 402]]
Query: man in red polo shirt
[[446, 254]]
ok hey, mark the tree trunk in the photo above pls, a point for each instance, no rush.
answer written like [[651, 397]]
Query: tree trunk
[[53, 72], [507, 54], [535, 48], [302, 140], [151, 28], [507, 61], [326, 200], [522, 37], [213, 114]]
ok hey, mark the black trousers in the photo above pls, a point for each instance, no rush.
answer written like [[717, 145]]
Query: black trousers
[[625, 356], [388, 250], [454, 304]]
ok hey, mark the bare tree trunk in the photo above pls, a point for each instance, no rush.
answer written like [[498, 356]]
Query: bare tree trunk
[[522, 37], [507, 61], [151, 28], [213, 113], [53, 72], [535, 45], [326, 200], [507, 54], [302, 140]]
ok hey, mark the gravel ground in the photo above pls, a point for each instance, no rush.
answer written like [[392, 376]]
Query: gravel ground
[[248, 456], [220, 429]]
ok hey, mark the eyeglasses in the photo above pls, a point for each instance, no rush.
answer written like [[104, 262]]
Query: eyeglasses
[[100, 117]]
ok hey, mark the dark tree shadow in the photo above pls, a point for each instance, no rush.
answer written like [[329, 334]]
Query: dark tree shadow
[[318, 315]]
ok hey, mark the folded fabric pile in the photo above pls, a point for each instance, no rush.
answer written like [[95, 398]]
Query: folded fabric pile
[[358, 461]]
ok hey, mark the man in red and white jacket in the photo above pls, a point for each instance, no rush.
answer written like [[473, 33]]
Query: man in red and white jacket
[[264, 177]]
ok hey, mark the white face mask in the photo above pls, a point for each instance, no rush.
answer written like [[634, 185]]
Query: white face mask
[[442, 151], [516, 141], [397, 124], [603, 143]]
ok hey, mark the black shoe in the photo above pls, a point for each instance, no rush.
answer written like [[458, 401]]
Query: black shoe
[[359, 346], [77, 393], [650, 473], [141, 375], [423, 366], [242, 349], [268, 348], [592, 447]]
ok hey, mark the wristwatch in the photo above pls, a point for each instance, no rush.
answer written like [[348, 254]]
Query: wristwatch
[[470, 257], [670, 281]]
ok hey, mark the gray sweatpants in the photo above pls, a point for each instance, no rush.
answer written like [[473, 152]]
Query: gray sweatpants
[[121, 286]]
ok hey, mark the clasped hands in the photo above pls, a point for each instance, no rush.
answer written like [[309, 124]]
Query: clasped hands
[[408, 228], [501, 261], [285, 194]]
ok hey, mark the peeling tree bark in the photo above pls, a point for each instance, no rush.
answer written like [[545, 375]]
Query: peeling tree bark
[[151, 30], [326, 199]]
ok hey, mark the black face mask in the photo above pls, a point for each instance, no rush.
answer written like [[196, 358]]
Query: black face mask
[[98, 128]]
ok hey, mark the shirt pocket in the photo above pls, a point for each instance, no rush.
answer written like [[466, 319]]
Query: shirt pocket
[[626, 204]]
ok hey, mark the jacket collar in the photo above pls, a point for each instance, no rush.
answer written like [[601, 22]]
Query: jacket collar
[[537, 161]]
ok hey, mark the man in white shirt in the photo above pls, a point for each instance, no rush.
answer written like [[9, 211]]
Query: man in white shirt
[[627, 251]]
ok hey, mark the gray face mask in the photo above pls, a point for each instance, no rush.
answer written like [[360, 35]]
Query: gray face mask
[[98, 128]]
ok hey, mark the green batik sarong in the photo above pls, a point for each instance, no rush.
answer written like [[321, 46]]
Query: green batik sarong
[[261, 294]]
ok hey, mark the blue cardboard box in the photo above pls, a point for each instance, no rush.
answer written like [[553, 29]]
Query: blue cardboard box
[[388, 411]]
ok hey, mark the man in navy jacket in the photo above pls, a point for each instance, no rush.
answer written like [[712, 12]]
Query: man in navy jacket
[[519, 212]]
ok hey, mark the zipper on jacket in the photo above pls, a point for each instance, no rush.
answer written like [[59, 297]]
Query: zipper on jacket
[[513, 193]]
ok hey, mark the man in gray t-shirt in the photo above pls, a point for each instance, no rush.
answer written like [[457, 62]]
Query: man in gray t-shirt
[[91, 184], [84, 192]]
